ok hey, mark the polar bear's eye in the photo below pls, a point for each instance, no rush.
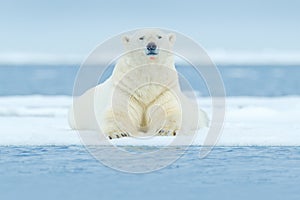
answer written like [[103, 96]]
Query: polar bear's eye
[[159, 37], [141, 38]]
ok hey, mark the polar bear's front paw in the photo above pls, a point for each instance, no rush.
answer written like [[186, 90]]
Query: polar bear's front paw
[[164, 132], [115, 135]]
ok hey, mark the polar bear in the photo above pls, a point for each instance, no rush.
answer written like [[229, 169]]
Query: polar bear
[[142, 97]]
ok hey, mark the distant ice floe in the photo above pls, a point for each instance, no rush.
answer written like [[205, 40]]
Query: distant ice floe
[[218, 56], [40, 59], [264, 57], [250, 121]]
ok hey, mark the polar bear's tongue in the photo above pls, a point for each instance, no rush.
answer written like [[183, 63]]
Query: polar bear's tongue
[[152, 58]]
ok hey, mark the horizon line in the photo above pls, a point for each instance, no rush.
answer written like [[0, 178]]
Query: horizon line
[[218, 56]]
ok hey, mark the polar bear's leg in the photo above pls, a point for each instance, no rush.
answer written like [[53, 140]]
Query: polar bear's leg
[[171, 125], [166, 118], [115, 124], [125, 118]]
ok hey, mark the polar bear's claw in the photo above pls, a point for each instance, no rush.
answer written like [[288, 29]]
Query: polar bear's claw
[[174, 133], [163, 132], [124, 134], [117, 135]]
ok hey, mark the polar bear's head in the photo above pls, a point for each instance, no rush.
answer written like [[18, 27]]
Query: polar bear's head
[[149, 46]]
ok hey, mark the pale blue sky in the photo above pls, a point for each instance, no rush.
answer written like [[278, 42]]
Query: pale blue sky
[[76, 27]]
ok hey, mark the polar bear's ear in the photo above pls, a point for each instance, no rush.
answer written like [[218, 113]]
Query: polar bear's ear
[[172, 38], [125, 39]]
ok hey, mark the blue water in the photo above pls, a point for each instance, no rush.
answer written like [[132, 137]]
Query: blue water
[[238, 80], [69, 172]]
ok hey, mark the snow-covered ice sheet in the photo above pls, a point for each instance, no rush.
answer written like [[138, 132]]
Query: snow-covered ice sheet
[[250, 121]]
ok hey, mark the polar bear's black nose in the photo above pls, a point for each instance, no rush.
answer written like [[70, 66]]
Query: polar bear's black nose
[[151, 46]]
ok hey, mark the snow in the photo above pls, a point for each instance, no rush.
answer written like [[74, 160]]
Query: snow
[[250, 121]]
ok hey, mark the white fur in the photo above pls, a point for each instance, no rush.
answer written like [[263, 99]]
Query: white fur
[[142, 97]]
